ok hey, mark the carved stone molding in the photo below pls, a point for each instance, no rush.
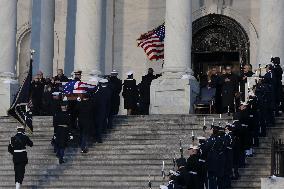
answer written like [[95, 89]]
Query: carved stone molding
[[219, 33]]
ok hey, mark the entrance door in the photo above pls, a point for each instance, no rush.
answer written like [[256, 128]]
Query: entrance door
[[202, 62]]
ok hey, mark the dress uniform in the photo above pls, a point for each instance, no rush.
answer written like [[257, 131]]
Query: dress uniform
[[62, 131], [130, 94], [202, 161], [192, 166], [144, 91], [277, 70], [216, 159], [182, 177], [116, 87], [85, 107], [102, 101], [228, 142], [17, 148]]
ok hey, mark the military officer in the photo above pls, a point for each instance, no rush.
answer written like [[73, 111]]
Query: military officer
[[62, 130], [102, 101], [192, 165], [17, 148], [144, 89], [130, 94], [85, 107], [116, 86]]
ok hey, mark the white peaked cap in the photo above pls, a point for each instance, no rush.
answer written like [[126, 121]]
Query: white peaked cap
[[114, 72], [65, 99], [130, 73], [163, 187], [56, 93], [20, 127], [103, 81], [78, 99], [244, 103], [201, 138]]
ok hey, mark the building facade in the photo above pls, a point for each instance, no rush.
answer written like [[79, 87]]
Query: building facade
[[97, 36]]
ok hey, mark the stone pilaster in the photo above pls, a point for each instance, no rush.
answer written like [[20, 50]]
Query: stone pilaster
[[47, 37], [8, 84], [175, 91], [89, 48], [271, 38]]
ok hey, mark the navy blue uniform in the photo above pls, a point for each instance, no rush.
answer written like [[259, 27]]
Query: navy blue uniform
[[102, 101], [61, 123], [17, 148], [216, 161], [85, 108]]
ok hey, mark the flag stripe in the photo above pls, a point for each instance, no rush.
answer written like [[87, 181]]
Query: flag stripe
[[152, 43]]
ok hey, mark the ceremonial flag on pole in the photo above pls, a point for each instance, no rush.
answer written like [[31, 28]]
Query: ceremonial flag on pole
[[19, 108], [152, 43]]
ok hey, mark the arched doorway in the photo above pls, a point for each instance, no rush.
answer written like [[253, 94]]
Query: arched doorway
[[218, 40]]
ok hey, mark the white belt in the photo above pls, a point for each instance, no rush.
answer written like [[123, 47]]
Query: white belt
[[194, 173], [63, 125], [230, 148], [202, 160], [19, 150]]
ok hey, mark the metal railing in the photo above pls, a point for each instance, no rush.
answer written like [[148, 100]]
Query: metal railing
[[277, 158]]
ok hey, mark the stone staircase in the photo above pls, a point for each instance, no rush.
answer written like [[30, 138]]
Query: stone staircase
[[259, 166], [132, 151]]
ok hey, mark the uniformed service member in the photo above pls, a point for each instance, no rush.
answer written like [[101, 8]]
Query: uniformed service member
[[85, 107], [102, 101], [62, 131], [17, 148], [116, 86], [130, 94]]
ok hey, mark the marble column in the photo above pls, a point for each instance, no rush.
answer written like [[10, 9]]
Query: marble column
[[8, 23], [178, 36], [175, 91], [89, 38], [47, 37], [271, 38]]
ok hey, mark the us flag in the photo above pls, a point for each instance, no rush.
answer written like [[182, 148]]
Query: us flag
[[153, 43], [78, 87]]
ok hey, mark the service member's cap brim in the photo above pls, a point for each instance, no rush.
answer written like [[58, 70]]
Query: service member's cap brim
[[103, 81], [130, 73], [20, 127], [114, 72], [201, 138]]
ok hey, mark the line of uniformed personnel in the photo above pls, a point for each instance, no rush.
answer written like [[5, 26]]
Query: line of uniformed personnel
[[216, 160]]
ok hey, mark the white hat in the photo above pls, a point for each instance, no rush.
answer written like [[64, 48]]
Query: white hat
[[130, 73], [201, 138], [79, 99], [113, 72], [65, 98], [174, 173], [56, 93], [193, 147], [20, 127], [244, 103], [103, 81]]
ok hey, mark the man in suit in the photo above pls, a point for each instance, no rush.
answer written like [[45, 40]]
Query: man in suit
[[229, 89], [17, 148]]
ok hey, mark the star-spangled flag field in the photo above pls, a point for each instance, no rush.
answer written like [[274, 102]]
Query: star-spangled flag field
[[78, 87], [152, 43]]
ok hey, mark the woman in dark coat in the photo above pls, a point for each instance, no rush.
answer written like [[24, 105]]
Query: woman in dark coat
[[130, 94]]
